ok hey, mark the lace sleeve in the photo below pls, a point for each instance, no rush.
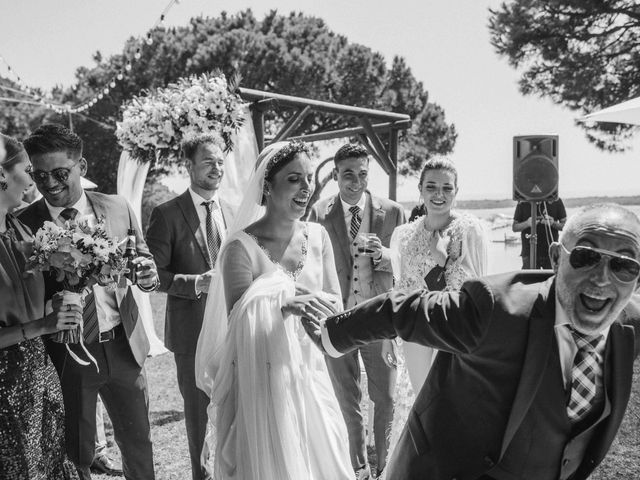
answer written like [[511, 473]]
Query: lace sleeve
[[471, 240], [394, 251]]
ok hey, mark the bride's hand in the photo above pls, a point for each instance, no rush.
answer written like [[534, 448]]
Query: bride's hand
[[313, 305]]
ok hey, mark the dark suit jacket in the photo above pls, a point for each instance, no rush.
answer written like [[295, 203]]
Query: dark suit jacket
[[181, 254], [119, 217], [386, 215], [494, 337]]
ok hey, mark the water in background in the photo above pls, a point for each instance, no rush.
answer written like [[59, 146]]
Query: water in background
[[505, 256]]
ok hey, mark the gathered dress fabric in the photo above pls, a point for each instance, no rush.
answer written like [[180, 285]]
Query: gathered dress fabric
[[273, 408], [31, 408]]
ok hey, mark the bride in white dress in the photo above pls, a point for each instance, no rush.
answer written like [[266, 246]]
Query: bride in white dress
[[273, 413]]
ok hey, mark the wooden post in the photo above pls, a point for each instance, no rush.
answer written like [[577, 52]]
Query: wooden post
[[257, 117], [393, 155]]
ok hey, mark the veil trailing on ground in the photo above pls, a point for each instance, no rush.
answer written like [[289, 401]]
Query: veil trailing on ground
[[214, 324]]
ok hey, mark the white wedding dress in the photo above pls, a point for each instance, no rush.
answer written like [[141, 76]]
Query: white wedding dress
[[274, 410]]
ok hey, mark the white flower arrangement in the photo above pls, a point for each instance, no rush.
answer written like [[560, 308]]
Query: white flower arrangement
[[154, 125]]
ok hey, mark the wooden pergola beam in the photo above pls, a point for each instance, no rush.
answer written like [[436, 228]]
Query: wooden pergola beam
[[366, 141], [320, 106], [376, 142], [352, 132], [293, 123]]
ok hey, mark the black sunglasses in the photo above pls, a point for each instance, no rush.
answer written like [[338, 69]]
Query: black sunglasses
[[59, 174], [624, 268]]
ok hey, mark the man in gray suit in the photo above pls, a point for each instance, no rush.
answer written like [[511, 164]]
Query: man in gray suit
[[184, 236], [362, 275], [113, 332]]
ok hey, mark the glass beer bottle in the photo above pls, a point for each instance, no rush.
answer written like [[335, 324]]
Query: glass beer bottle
[[130, 253]]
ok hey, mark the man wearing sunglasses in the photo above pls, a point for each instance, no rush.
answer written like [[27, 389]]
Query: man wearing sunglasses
[[534, 371], [114, 335]]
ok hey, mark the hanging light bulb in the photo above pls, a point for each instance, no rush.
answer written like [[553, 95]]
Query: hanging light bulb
[[113, 84], [100, 96], [128, 66], [106, 90], [120, 75], [149, 39], [138, 54]]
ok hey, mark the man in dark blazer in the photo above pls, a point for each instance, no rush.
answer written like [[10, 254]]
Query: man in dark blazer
[[185, 254], [116, 337], [534, 370], [362, 275]]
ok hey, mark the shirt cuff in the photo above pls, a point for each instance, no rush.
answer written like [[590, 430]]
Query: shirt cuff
[[326, 342]]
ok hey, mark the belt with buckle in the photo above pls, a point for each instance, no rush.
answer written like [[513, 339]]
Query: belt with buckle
[[110, 334]]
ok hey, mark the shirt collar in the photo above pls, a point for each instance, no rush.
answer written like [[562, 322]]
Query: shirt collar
[[198, 199], [361, 204], [80, 206]]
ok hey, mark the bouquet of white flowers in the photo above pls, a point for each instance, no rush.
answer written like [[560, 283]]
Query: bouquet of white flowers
[[154, 125], [79, 255]]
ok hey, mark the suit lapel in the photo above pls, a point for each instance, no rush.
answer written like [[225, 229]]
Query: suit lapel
[[377, 216], [42, 212], [192, 219], [101, 211], [541, 325], [335, 222]]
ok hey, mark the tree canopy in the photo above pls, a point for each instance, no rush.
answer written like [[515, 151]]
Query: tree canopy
[[292, 54], [583, 54]]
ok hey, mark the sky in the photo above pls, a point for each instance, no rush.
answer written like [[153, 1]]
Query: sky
[[445, 42]]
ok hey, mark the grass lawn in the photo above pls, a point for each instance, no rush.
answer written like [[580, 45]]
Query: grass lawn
[[171, 456]]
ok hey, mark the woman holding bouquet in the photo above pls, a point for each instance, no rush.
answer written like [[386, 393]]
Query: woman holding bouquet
[[31, 409], [273, 412]]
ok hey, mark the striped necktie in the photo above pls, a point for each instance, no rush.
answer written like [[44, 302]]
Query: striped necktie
[[213, 235], [584, 393], [355, 221]]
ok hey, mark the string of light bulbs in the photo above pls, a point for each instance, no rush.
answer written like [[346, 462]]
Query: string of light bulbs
[[47, 101]]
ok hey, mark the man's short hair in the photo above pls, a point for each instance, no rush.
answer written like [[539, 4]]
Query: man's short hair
[[51, 138], [350, 150], [189, 146], [626, 215]]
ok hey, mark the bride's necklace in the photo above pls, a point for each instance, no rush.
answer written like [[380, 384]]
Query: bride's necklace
[[303, 253]]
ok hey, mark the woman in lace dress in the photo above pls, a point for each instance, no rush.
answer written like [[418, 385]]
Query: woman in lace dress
[[31, 411], [273, 411], [454, 240]]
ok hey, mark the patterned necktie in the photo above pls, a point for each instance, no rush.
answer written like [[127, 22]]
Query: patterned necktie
[[69, 214], [213, 236], [583, 377], [90, 325], [355, 221]]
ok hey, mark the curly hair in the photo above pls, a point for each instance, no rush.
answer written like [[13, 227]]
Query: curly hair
[[189, 146], [51, 138]]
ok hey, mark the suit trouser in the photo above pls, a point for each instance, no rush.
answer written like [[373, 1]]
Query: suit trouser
[[122, 384], [195, 410], [381, 382]]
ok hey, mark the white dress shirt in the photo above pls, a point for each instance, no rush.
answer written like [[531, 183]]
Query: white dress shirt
[[347, 213], [106, 302], [216, 213]]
